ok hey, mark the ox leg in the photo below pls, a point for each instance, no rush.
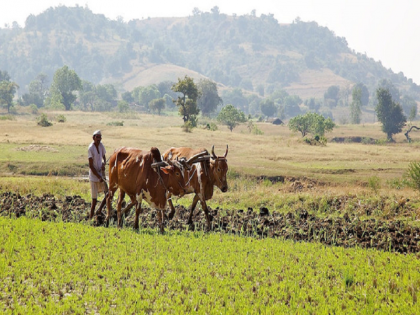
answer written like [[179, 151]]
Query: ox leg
[[160, 215], [206, 212], [109, 205], [127, 209], [194, 204], [120, 200], [138, 212], [171, 206]]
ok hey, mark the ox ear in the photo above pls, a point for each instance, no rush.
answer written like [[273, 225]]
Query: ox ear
[[167, 169]]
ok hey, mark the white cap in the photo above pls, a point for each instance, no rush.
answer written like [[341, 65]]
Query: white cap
[[97, 132]]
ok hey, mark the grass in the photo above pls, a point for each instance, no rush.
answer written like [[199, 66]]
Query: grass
[[73, 268], [277, 152]]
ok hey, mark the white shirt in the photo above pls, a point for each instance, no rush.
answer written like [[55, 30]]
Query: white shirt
[[97, 160]]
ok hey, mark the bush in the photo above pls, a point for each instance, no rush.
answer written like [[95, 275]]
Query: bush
[[317, 140], [43, 121], [33, 108], [115, 123], [211, 126], [61, 118], [413, 173], [187, 126], [374, 183], [7, 117], [256, 131]]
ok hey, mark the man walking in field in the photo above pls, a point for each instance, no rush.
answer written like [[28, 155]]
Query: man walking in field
[[97, 161]]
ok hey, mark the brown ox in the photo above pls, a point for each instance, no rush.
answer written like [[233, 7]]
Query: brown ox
[[201, 177], [142, 175]]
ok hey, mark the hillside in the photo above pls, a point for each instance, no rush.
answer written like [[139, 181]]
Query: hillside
[[246, 52]]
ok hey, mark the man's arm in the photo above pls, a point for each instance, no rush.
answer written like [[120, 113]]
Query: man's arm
[[94, 171], [103, 164]]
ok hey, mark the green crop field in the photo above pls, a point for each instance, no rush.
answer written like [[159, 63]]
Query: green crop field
[[71, 265], [73, 268]]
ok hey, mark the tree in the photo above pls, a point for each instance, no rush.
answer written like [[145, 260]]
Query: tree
[[187, 101], [126, 96], [231, 117], [409, 106], [147, 94], [209, 97], [389, 113], [7, 91], [37, 91], [355, 106], [157, 105], [4, 76], [365, 93], [236, 98], [268, 108], [311, 123], [65, 82], [123, 106], [331, 96]]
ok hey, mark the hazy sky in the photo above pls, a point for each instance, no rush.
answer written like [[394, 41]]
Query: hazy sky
[[385, 30]]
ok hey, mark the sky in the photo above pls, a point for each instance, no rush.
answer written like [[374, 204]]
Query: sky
[[385, 30]]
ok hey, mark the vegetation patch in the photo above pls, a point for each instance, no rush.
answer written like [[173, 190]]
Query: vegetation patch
[[61, 268]]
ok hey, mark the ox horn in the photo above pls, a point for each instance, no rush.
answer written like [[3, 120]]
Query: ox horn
[[194, 158], [227, 150], [214, 156]]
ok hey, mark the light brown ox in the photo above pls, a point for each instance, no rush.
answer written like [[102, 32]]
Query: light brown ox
[[142, 175], [201, 177]]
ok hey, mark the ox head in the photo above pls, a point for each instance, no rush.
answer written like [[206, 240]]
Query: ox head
[[220, 167], [172, 176]]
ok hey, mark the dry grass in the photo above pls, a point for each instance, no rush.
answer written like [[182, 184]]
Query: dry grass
[[277, 152]]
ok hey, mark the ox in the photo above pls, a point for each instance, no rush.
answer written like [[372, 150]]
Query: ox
[[207, 172], [143, 175]]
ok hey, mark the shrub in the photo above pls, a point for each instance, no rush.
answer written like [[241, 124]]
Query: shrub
[[374, 183], [61, 118], [115, 123], [211, 126], [413, 173], [43, 121], [33, 108], [7, 117], [256, 131]]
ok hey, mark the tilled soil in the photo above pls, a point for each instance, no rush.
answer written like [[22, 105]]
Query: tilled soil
[[343, 231]]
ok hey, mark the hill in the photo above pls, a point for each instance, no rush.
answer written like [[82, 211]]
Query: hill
[[247, 52]]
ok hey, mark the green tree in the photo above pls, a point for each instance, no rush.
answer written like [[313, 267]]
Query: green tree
[[231, 117], [187, 101], [7, 91], [209, 97], [65, 82], [365, 93], [313, 123], [268, 108], [147, 94], [389, 113], [127, 96], [157, 105], [123, 106], [355, 106], [332, 95], [4, 76], [408, 103], [37, 89]]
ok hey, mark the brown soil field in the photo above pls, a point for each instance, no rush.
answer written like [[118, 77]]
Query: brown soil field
[[346, 231]]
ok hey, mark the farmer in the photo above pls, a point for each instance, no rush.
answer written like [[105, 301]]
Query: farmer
[[97, 161]]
